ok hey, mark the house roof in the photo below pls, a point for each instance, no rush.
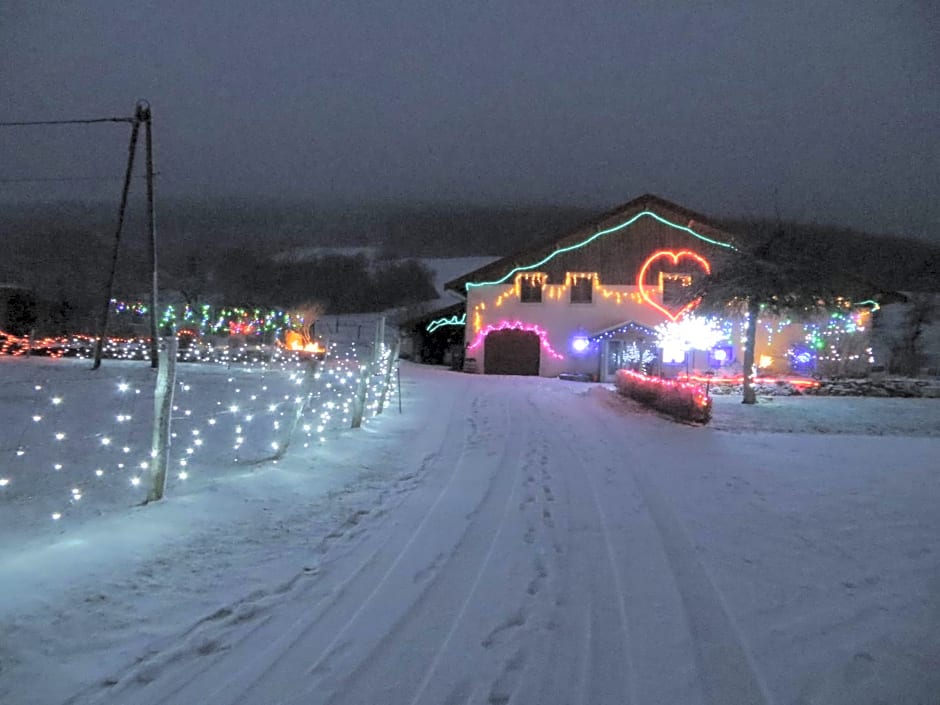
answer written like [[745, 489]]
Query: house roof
[[686, 219], [422, 320], [622, 327]]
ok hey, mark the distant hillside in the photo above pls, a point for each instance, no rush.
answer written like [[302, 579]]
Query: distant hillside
[[399, 230], [63, 249], [475, 230], [217, 222]]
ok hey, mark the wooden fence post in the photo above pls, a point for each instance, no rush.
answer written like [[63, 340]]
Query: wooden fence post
[[379, 340], [310, 373], [393, 358], [162, 412], [360, 402]]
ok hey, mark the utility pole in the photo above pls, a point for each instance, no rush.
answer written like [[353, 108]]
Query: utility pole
[[109, 287], [143, 115]]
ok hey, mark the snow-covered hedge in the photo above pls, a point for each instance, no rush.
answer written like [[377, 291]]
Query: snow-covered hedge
[[894, 387], [780, 388], [865, 387], [686, 401]]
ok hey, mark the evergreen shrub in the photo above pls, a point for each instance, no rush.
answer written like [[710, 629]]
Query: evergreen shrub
[[685, 401]]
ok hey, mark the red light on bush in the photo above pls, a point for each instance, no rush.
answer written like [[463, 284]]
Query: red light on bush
[[682, 400]]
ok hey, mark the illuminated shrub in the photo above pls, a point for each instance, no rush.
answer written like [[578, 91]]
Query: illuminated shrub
[[685, 401]]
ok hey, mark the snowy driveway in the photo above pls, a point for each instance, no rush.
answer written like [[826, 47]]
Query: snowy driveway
[[538, 542]]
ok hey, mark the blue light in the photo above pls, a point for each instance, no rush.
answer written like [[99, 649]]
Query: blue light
[[721, 355], [802, 359]]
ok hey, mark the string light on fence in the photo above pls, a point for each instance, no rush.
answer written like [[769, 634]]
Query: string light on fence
[[325, 404]]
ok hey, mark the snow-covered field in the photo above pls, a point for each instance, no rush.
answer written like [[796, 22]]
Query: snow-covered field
[[446, 269], [864, 416], [518, 540]]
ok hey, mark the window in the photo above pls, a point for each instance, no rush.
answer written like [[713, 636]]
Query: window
[[673, 284], [582, 289], [530, 288]]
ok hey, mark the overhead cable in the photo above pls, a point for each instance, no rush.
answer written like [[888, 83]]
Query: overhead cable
[[23, 123]]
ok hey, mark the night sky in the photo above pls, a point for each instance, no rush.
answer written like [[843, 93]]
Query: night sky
[[817, 110]]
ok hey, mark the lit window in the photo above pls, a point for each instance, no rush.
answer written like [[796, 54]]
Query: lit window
[[673, 284], [582, 289], [530, 288]]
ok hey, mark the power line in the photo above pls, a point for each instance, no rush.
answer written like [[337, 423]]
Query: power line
[[66, 122], [39, 179], [76, 121]]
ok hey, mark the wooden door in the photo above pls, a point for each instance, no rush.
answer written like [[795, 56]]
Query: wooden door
[[512, 352]]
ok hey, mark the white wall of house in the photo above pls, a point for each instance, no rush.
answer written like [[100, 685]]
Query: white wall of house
[[559, 318], [563, 321]]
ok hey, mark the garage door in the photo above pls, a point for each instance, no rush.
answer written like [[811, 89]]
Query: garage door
[[511, 352]]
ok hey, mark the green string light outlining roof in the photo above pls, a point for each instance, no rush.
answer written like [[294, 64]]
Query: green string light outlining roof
[[449, 321], [601, 233]]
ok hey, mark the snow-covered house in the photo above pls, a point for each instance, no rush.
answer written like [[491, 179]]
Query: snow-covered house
[[587, 302]]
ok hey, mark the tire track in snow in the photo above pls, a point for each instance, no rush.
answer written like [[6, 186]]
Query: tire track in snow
[[445, 641], [603, 524], [336, 643], [149, 669], [580, 615], [559, 626], [725, 663], [439, 596], [384, 655], [458, 619], [243, 683], [214, 629]]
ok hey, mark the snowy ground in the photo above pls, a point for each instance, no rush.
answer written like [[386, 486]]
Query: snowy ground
[[503, 540], [865, 416]]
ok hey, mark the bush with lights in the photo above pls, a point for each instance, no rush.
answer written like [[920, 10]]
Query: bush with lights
[[685, 401]]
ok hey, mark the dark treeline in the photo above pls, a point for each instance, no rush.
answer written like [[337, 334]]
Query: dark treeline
[[55, 281], [340, 284], [229, 252], [472, 231], [886, 262], [401, 231], [232, 251]]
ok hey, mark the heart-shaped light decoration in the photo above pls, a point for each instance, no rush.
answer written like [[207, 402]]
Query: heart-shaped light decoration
[[674, 257]]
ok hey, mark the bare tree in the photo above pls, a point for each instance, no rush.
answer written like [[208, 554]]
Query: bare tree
[[779, 273]]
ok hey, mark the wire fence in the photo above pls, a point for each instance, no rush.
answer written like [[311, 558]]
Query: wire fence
[[76, 443]]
